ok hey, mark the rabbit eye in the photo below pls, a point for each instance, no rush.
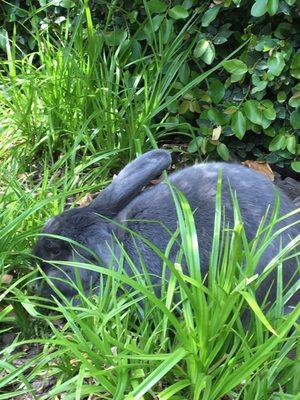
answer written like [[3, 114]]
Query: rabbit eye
[[55, 251]]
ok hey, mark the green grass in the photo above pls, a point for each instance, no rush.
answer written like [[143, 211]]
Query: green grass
[[77, 95], [70, 117], [188, 343]]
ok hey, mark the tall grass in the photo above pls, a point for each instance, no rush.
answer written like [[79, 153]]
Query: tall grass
[[188, 342], [71, 113], [78, 95]]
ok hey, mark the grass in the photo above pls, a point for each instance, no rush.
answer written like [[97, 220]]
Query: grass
[[77, 95], [189, 343], [69, 120]]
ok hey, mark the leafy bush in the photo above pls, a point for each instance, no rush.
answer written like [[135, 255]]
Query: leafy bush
[[250, 106]]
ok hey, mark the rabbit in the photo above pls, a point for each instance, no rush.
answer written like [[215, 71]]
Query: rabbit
[[124, 205]]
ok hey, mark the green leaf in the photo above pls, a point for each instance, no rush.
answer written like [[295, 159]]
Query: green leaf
[[217, 117], [184, 106], [276, 63], [3, 39], [295, 119], [278, 143], [156, 22], [216, 90], [201, 48], [66, 3], [270, 131], [184, 73], [157, 6], [166, 29], [291, 144], [209, 56], [206, 50], [294, 101], [136, 49], [153, 25], [188, 4], [176, 387], [239, 124], [158, 373], [296, 61], [283, 30], [210, 15], [259, 85], [269, 112], [281, 96], [259, 8], [257, 310], [235, 66], [223, 151], [223, 34], [254, 112], [272, 6], [296, 166], [295, 66], [195, 144], [236, 77], [115, 38], [266, 43], [178, 12]]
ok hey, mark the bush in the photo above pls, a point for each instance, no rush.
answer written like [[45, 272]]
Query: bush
[[250, 106]]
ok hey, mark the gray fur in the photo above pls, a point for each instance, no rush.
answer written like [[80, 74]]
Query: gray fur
[[125, 202]]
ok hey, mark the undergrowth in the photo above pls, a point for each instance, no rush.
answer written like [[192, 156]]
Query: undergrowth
[[71, 115]]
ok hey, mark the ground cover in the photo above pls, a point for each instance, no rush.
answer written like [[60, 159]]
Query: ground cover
[[72, 115]]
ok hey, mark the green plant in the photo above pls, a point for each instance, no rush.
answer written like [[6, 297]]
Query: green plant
[[83, 87], [79, 93], [250, 106]]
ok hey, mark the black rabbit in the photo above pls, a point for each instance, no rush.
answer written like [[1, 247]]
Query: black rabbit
[[148, 211]]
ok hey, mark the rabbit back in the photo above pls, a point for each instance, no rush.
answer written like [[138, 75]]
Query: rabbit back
[[152, 214]]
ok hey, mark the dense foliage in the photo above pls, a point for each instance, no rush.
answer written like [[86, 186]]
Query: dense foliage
[[84, 87], [249, 105]]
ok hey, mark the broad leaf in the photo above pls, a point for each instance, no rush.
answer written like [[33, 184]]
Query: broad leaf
[[276, 63], [235, 66], [178, 12], [259, 8], [272, 6], [239, 124], [201, 48], [216, 90], [210, 15], [157, 6], [291, 144], [296, 166], [223, 151], [294, 101], [295, 119], [278, 143]]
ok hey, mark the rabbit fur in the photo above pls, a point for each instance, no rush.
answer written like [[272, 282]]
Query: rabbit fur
[[152, 214]]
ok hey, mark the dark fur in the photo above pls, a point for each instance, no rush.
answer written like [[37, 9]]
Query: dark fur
[[124, 201]]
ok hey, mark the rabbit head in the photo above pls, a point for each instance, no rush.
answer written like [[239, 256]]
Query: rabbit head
[[87, 234], [79, 235]]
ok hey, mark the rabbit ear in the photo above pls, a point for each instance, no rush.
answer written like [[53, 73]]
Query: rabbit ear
[[130, 182]]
